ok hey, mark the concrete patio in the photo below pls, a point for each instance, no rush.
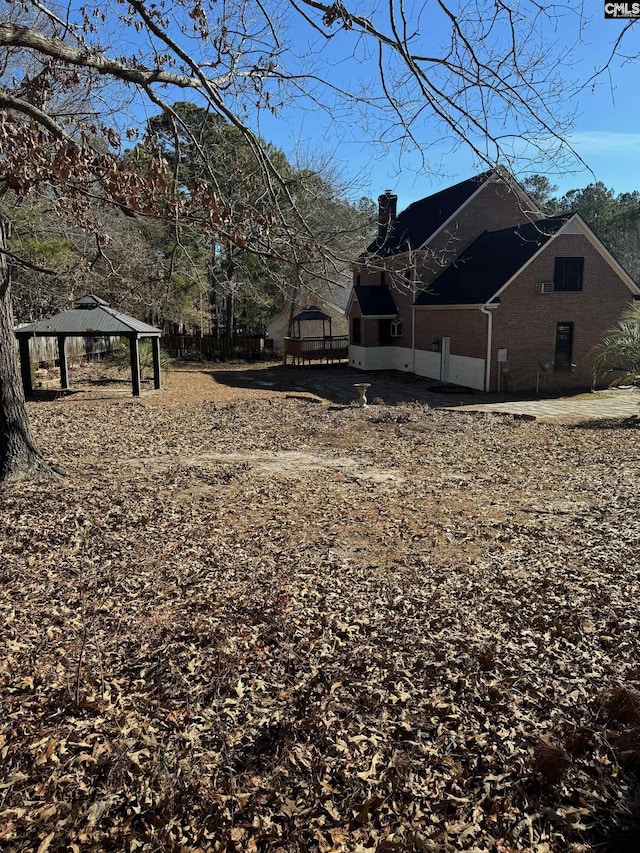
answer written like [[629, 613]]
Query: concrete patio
[[336, 384]]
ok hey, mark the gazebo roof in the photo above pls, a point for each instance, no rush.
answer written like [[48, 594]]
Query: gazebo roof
[[311, 313], [89, 316]]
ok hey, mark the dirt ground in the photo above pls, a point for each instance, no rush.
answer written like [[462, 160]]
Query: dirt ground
[[189, 383], [253, 617]]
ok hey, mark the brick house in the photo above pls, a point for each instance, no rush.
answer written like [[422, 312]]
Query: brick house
[[474, 287]]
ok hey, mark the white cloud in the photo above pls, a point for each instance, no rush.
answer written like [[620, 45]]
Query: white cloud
[[599, 143]]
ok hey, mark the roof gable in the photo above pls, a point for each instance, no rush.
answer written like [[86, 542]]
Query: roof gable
[[579, 226], [414, 225], [490, 263]]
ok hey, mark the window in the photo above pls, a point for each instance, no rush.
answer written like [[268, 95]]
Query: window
[[564, 346], [396, 329], [567, 274], [356, 330]]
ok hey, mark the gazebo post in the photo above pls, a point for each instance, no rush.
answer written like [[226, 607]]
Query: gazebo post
[[64, 367], [135, 364], [155, 349], [25, 366]]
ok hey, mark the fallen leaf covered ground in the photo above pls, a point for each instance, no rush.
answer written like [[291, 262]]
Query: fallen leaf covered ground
[[275, 624]]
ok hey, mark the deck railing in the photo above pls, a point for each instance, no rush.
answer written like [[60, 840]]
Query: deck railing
[[329, 349]]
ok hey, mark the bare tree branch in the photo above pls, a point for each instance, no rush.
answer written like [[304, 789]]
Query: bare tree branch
[[14, 35]]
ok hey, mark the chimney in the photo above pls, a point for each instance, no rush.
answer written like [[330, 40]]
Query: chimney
[[387, 207]]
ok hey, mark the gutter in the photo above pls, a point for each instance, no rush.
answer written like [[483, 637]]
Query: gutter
[[487, 375], [414, 274]]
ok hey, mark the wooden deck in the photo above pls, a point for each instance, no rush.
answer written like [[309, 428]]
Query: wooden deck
[[327, 349]]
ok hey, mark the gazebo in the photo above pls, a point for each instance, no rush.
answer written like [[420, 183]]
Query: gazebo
[[89, 317], [310, 314], [307, 348]]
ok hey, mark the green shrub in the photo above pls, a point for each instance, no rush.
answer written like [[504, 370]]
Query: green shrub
[[619, 349], [194, 354], [121, 358]]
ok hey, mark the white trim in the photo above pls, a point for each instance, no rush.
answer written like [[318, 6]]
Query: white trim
[[571, 227], [515, 185], [423, 246], [487, 377], [591, 237], [379, 316], [497, 176], [605, 253], [414, 276], [465, 307], [352, 296]]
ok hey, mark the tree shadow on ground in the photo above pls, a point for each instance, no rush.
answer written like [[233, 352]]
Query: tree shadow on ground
[[94, 389], [626, 422], [336, 384], [50, 395]]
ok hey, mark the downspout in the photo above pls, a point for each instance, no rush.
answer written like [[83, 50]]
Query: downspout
[[487, 374], [413, 318]]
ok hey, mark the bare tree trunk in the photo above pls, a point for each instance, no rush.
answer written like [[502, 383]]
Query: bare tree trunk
[[230, 269], [20, 459], [228, 324], [295, 287]]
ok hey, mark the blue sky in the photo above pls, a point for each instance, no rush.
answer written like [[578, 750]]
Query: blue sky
[[606, 127], [605, 131]]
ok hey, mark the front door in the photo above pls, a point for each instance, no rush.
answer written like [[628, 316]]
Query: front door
[[445, 347], [384, 333]]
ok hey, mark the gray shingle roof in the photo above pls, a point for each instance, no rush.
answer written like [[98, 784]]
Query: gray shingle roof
[[375, 300], [89, 316], [489, 263]]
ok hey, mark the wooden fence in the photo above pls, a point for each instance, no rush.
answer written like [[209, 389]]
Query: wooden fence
[[210, 347], [44, 351], [329, 349]]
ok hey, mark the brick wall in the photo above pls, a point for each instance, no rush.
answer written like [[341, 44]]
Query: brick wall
[[369, 328], [369, 275], [467, 329], [494, 208], [526, 321]]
